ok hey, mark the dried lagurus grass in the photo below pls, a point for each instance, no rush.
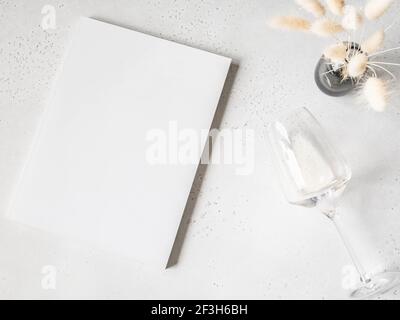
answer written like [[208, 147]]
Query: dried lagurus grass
[[336, 6], [325, 27], [352, 19], [291, 23], [376, 93], [376, 8], [313, 6], [337, 53], [374, 42], [357, 65]]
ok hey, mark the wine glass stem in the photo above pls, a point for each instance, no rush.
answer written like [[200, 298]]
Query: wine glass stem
[[336, 221]]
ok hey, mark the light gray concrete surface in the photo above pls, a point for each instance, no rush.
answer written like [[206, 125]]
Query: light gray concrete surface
[[244, 240]]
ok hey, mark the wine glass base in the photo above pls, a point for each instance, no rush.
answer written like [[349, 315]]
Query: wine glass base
[[378, 285]]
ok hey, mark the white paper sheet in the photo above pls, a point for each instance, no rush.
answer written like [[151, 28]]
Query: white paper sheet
[[87, 176]]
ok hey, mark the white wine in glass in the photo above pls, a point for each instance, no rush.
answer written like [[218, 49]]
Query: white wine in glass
[[313, 174]]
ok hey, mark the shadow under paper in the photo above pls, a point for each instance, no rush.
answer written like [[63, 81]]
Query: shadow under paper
[[201, 171]]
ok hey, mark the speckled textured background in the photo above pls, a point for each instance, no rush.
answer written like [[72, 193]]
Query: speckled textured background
[[243, 240]]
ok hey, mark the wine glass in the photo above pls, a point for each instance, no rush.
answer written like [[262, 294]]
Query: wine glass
[[313, 174]]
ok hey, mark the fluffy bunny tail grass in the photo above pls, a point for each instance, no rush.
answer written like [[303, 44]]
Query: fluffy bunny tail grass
[[337, 53], [291, 23], [357, 65], [376, 93], [336, 6], [374, 42], [352, 19], [325, 27], [376, 8], [313, 6]]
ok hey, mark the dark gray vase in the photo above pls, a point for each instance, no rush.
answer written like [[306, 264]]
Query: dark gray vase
[[330, 81]]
